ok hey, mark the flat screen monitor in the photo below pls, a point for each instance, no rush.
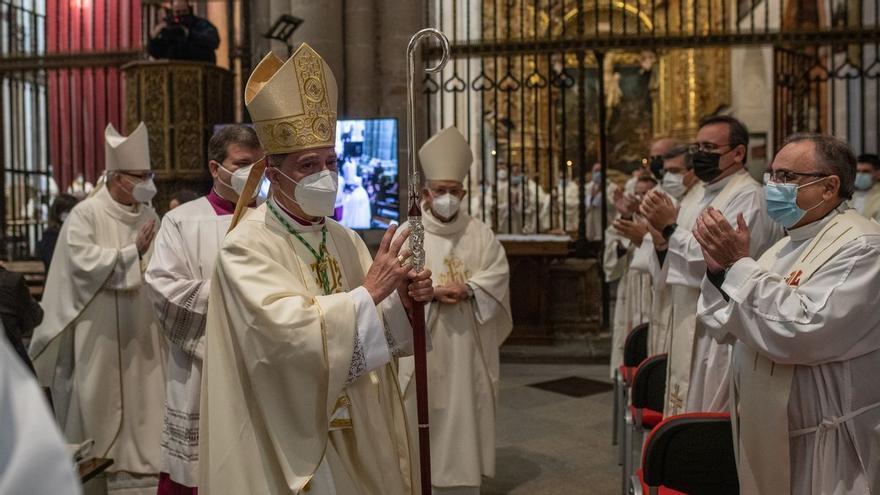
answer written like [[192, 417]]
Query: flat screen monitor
[[368, 196]]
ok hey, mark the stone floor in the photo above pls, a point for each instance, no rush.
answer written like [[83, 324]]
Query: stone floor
[[550, 442]]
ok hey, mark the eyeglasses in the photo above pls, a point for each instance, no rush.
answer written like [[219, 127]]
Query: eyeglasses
[[783, 176], [707, 147]]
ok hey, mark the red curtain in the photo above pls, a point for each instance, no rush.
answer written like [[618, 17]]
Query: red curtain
[[83, 100]]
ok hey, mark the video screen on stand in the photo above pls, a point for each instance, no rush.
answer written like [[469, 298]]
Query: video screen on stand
[[368, 196]]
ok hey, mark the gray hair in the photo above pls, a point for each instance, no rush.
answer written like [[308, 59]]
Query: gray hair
[[833, 156]]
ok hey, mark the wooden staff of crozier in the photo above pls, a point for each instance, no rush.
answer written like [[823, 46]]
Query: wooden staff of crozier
[[416, 241]]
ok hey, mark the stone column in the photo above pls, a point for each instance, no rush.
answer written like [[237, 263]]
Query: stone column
[[361, 91]]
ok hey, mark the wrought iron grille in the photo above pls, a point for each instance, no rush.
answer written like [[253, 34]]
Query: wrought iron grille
[[545, 89], [528, 75], [26, 176]]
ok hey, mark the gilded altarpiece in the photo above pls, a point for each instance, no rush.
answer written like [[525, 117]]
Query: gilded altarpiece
[[648, 93], [532, 117]]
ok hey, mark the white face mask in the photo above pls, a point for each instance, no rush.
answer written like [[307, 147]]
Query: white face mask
[[143, 191], [64, 216], [673, 183], [445, 206], [316, 194], [239, 179]]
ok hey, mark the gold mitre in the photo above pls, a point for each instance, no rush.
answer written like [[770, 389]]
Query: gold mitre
[[293, 103]]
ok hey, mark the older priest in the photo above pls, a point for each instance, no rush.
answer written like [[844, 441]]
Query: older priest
[[298, 391], [100, 347], [804, 319], [468, 321]]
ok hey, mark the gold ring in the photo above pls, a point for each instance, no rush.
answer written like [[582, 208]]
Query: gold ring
[[401, 260]]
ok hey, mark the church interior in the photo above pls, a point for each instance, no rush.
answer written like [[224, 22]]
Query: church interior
[[560, 102]]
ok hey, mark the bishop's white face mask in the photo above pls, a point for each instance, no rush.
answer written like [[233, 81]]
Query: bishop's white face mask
[[316, 194], [143, 191], [445, 206]]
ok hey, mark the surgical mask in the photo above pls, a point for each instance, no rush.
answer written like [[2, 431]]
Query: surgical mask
[[516, 180], [597, 178], [316, 194], [445, 206], [502, 175], [706, 165], [782, 203], [673, 183], [143, 191], [657, 166], [864, 181]]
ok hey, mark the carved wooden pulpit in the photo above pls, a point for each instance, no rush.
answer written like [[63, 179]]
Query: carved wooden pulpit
[[180, 102]]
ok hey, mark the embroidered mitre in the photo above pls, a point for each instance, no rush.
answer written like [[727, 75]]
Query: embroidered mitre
[[293, 103]]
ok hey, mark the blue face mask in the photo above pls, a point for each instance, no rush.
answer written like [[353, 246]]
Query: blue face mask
[[782, 203], [597, 178], [864, 181]]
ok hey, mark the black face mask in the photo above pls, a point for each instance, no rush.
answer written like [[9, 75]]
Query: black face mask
[[657, 167], [706, 165]]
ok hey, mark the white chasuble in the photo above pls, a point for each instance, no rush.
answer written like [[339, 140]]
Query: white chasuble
[[100, 347], [463, 364], [698, 366], [805, 401], [298, 393], [632, 306], [179, 279]]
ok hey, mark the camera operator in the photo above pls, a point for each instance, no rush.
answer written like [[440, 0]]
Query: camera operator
[[184, 36]]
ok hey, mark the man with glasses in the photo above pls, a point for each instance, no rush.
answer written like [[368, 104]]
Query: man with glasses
[[697, 377], [468, 320], [100, 348], [804, 319]]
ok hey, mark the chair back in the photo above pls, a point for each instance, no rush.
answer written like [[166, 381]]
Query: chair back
[[649, 384], [692, 453], [635, 347]]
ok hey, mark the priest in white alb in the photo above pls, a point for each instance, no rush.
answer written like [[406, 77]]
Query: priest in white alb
[[299, 394], [806, 331], [179, 279], [468, 321], [685, 190], [100, 347], [697, 367], [632, 305]]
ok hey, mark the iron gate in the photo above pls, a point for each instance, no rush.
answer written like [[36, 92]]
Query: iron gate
[[545, 88]]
